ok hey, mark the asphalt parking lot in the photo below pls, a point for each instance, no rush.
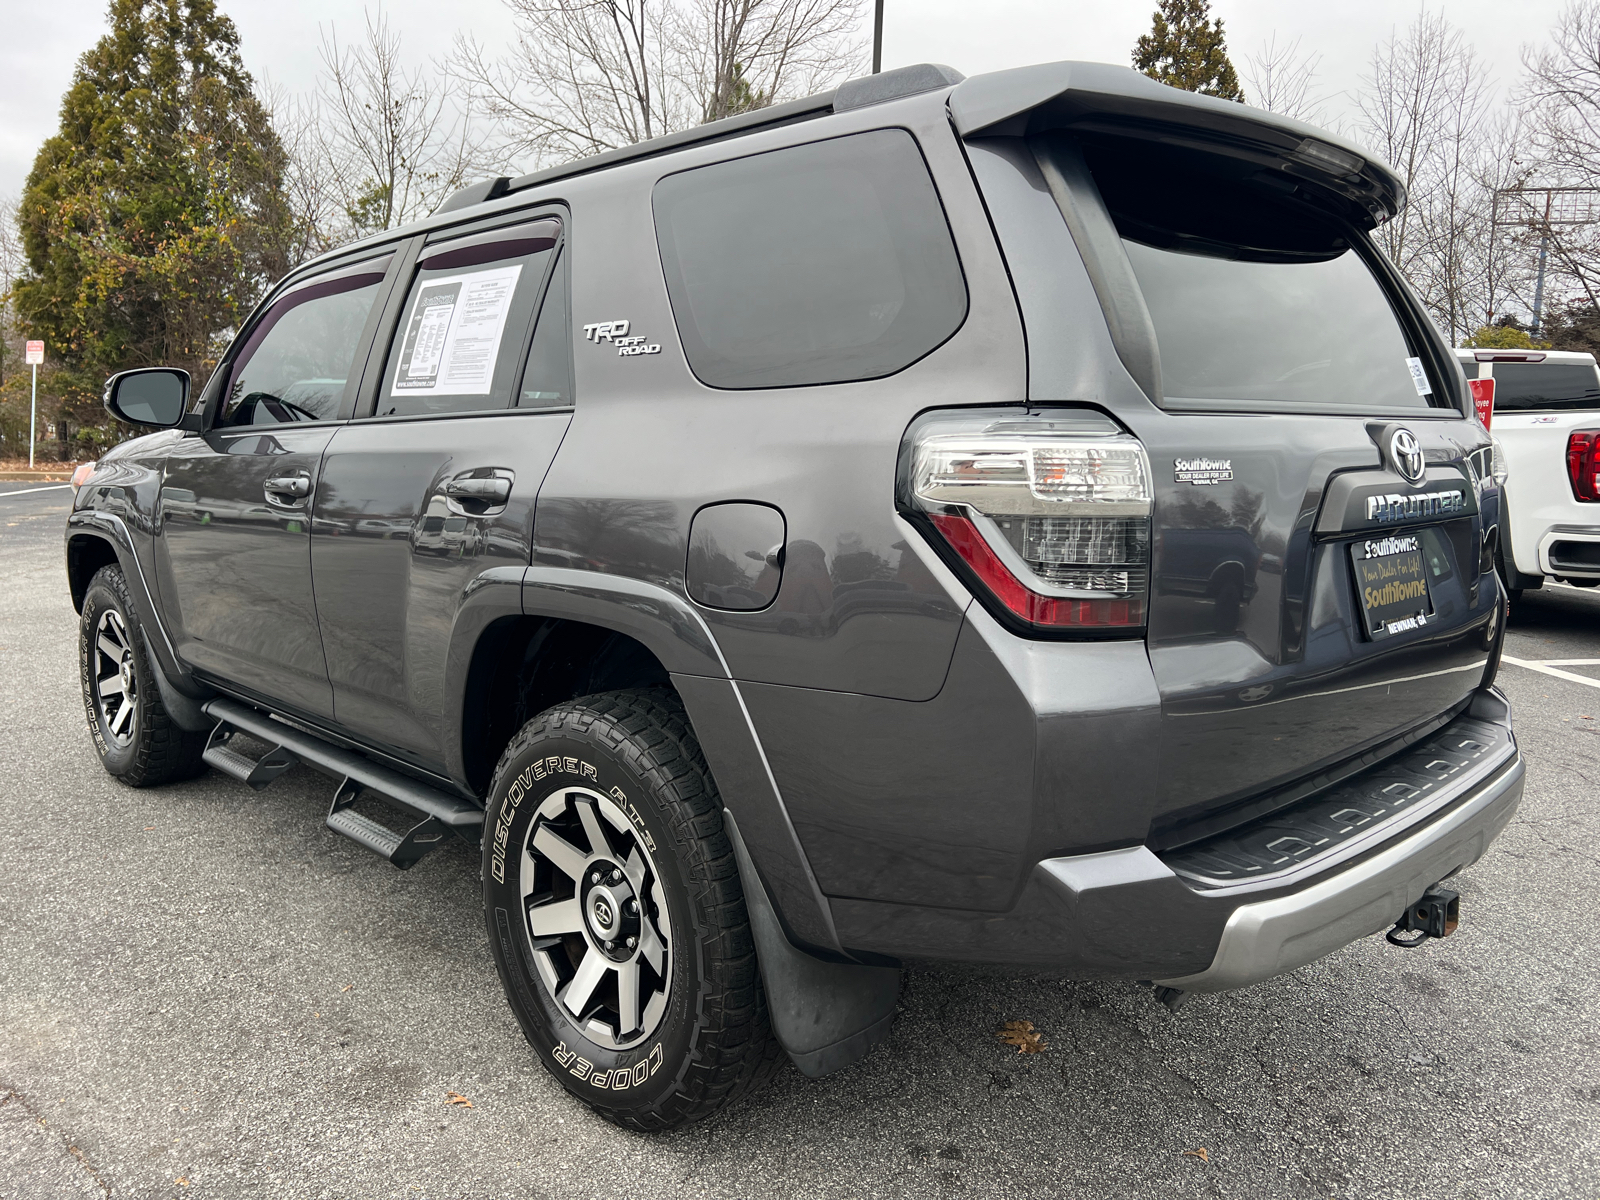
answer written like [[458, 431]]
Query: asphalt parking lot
[[204, 992]]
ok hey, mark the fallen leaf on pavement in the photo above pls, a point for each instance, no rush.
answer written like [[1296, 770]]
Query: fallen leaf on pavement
[[457, 1098], [347, 987], [1023, 1036], [181, 1180], [1200, 1154]]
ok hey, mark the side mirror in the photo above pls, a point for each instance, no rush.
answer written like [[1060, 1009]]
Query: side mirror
[[153, 396]]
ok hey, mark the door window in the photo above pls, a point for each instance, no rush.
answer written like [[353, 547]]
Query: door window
[[464, 329], [295, 363]]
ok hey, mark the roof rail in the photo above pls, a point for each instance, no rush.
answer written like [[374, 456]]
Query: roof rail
[[774, 115], [855, 93]]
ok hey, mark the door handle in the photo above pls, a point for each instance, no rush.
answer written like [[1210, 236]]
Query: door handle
[[288, 491], [478, 496]]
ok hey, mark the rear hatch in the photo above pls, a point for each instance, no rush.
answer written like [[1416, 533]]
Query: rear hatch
[[1203, 274]]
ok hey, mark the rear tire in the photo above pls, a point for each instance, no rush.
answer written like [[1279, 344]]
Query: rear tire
[[136, 740], [616, 913]]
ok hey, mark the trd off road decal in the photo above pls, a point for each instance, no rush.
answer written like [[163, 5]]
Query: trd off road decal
[[619, 1080], [616, 332], [542, 769]]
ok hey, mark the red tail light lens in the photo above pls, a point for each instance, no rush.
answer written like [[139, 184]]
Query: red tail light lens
[[965, 539], [1483, 399], [1583, 469], [1054, 523]]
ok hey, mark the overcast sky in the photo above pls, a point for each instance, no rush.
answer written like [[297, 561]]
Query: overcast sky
[[280, 40]]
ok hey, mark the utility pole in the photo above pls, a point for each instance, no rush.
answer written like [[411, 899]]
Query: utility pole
[[1544, 254], [877, 36]]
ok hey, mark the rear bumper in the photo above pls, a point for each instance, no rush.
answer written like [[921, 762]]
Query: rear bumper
[[1221, 914], [1570, 551], [1268, 938]]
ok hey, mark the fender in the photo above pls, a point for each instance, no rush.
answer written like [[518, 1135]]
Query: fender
[[182, 700], [666, 624]]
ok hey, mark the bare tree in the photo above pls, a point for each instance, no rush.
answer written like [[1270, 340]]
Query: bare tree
[[591, 75], [1424, 107], [1560, 94], [1279, 79], [383, 144]]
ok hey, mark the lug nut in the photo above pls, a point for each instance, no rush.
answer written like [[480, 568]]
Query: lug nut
[[632, 906], [616, 877], [595, 878], [611, 945], [632, 942]]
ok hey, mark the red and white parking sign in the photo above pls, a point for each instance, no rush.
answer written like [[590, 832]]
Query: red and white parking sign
[[34, 353]]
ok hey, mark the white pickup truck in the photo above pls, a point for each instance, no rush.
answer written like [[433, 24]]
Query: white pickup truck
[[1546, 424]]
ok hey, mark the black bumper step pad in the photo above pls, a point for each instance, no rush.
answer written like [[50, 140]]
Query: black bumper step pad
[[1367, 808]]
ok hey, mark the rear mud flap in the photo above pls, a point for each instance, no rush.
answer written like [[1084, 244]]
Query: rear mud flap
[[826, 1015]]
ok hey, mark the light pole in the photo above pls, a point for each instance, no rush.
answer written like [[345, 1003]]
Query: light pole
[[877, 36]]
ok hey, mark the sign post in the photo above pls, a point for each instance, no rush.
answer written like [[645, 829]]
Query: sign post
[[34, 355]]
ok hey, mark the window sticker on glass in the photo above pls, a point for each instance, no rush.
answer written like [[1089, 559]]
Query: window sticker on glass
[[453, 334], [1419, 377]]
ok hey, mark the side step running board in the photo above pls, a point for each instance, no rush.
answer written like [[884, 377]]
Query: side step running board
[[440, 812]]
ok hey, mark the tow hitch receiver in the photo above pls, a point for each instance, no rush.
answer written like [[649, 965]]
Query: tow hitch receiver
[[1436, 915]]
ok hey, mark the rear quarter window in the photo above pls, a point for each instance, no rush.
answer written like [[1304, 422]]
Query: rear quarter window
[[815, 264]]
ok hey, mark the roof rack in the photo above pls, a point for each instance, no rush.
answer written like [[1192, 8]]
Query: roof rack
[[854, 93]]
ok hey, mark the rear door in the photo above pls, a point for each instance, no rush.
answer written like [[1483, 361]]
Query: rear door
[[1317, 587], [468, 397], [234, 551]]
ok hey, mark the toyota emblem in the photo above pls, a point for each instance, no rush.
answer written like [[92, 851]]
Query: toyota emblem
[[1406, 454]]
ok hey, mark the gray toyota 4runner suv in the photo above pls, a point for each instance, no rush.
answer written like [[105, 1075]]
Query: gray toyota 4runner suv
[[1018, 520]]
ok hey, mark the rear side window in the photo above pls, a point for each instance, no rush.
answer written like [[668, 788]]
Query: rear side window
[[464, 331], [1256, 295], [1545, 387], [816, 264]]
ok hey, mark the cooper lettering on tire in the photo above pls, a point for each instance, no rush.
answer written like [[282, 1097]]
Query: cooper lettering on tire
[[616, 915]]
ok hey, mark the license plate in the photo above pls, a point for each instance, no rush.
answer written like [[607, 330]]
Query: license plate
[[1392, 583]]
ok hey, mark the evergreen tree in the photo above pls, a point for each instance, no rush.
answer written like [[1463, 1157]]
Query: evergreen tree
[[152, 220], [1185, 48]]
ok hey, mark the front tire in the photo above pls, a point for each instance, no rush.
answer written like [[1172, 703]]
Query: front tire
[[616, 913], [136, 740]]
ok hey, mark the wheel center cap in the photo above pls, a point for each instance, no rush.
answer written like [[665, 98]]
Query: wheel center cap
[[125, 673], [602, 913]]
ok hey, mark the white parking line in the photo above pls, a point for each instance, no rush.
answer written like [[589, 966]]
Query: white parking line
[[28, 491], [1571, 662], [1547, 669]]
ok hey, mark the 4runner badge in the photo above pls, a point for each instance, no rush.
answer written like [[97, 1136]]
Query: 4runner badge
[[1202, 472], [616, 332]]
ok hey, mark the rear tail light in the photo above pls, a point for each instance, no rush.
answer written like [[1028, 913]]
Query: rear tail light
[[1583, 464], [1056, 526], [1483, 399]]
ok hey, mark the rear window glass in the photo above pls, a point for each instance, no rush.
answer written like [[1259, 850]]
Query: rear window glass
[[1535, 387], [1301, 335], [1257, 296], [816, 264]]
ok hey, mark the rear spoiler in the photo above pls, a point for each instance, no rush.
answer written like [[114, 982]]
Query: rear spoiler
[[1098, 97]]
